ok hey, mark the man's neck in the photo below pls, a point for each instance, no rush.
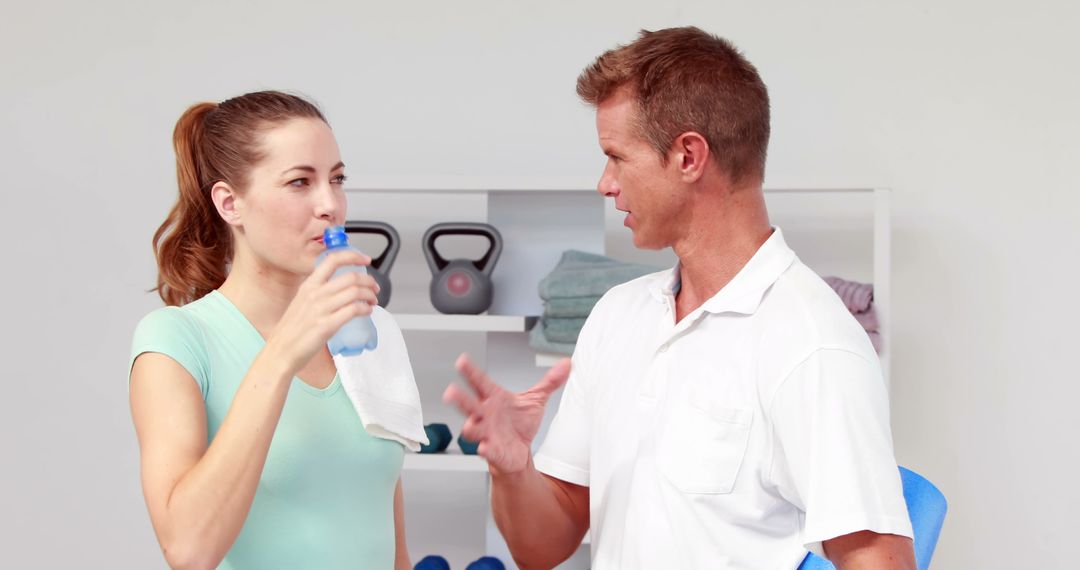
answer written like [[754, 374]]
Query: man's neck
[[724, 235]]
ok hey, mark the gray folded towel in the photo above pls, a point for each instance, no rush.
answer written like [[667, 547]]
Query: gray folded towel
[[582, 274], [542, 344], [569, 307], [562, 330]]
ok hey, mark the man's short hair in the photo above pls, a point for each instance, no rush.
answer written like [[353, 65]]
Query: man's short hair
[[685, 79]]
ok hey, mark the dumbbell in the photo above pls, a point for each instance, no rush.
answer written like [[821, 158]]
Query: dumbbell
[[486, 563], [439, 438], [461, 286], [468, 447], [380, 264], [432, 562]]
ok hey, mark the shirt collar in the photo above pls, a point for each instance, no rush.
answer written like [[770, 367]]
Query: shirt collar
[[743, 294]]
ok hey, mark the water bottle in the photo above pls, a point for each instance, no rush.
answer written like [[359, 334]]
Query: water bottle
[[358, 334]]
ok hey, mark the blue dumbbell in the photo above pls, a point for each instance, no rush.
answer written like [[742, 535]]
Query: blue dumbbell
[[432, 562], [439, 438], [468, 447], [486, 563]]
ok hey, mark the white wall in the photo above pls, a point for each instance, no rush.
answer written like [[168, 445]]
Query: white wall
[[968, 110]]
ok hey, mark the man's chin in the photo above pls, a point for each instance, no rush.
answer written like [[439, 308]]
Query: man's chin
[[642, 241]]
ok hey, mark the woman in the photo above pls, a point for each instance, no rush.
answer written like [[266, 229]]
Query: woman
[[252, 455]]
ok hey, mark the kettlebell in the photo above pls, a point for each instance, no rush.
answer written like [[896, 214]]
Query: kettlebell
[[461, 286], [381, 264]]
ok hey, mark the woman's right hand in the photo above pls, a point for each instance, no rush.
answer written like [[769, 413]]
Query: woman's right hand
[[323, 303]]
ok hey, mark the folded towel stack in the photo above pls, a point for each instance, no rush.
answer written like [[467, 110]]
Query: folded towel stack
[[859, 299], [569, 293]]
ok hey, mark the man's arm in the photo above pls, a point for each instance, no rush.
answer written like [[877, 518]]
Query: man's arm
[[871, 551], [543, 519], [834, 460]]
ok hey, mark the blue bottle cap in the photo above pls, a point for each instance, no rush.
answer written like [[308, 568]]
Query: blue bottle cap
[[335, 236]]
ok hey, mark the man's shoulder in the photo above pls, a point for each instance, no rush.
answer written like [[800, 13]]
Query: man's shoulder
[[801, 314], [633, 293]]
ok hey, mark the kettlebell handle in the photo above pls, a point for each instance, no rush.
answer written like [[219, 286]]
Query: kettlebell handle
[[393, 241], [485, 264]]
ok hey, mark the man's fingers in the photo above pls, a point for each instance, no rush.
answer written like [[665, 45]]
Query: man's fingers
[[480, 382], [462, 400], [554, 379], [473, 429]]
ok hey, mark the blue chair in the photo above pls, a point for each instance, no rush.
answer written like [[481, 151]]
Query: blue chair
[[926, 507]]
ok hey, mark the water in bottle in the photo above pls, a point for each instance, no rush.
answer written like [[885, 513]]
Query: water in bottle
[[358, 334]]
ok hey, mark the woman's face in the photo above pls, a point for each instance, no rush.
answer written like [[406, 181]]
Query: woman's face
[[294, 193]]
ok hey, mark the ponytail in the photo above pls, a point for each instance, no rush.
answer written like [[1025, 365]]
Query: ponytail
[[193, 244]]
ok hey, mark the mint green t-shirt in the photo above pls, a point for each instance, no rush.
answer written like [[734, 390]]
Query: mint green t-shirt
[[326, 495]]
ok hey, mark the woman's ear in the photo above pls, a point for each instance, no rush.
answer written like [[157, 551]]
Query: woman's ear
[[225, 199]]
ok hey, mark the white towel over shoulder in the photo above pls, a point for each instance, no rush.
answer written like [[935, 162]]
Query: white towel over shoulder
[[382, 388]]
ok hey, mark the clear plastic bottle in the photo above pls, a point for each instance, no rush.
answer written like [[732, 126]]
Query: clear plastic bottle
[[358, 334]]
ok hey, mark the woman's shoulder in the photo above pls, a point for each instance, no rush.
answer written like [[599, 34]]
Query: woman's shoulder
[[176, 332], [166, 320], [186, 324]]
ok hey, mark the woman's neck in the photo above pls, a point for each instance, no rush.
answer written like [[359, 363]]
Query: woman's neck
[[260, 292]]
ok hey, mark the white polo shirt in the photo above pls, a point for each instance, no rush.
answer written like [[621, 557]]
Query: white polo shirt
[[742, 436]]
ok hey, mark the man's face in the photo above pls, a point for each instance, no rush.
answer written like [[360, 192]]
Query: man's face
[[647, 190]]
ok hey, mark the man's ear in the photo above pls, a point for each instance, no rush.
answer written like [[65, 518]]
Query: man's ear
[[690, 154], [225, 200]]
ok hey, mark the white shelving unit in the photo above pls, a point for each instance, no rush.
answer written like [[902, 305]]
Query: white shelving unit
[[450, 460], [538, 221], [465, 323]]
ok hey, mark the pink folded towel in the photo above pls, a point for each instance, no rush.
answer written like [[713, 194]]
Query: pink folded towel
[[868, 320], [857, 297], [875, 339]]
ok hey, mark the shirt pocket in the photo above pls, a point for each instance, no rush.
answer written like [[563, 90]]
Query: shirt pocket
[[701, 450]]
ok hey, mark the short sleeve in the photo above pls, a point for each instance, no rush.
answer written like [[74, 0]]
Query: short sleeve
[[171, 332], [565, 452], [832, 451]]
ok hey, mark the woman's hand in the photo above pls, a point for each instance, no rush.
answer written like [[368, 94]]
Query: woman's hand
[[323, 303]]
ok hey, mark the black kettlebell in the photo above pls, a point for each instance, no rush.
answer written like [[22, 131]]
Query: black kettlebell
[[461, 286], [381, 264]]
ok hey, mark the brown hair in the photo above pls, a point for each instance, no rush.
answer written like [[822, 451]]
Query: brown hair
[[214, 142], [684, 79]]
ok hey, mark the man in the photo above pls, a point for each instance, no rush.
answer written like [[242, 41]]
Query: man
[[728, 413]]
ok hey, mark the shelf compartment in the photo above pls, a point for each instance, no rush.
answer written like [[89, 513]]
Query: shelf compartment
[[464, 323], [449, 460]]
